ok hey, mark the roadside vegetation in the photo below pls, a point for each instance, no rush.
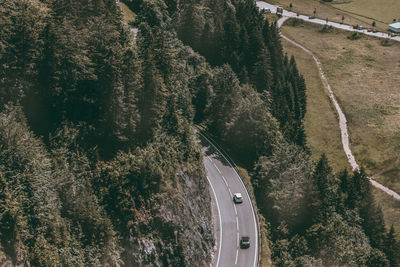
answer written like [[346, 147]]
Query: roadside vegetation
[[364, 76]]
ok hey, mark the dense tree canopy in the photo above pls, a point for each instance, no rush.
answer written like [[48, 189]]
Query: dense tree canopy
[[99, 164]]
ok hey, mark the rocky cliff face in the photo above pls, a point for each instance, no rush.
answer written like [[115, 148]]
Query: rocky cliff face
[[176, 225], [60, 211]]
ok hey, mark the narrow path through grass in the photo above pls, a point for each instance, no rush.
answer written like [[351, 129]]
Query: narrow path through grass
[[364, 76], [342, 117]]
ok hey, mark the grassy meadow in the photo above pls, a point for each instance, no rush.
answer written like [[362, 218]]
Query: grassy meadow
[[365, 77]]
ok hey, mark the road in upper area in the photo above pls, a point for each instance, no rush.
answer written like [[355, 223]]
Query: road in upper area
[[233, 220], [346, 27]]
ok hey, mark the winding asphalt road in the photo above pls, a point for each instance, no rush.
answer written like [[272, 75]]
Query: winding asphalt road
[[289, 14], [232, 220]]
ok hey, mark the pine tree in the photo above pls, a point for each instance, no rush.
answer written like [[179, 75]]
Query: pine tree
[[325, 197], [360, 197], [152, 98], [226, 102], [344, 188], [377, 259], [281, 181], [373, 223], [21, 29], [230, 49], [392, 248], [207, 44], [262, 75], [192, 25]]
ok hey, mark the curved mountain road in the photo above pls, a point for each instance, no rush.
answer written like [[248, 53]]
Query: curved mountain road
[[341, 115], [232, 221]]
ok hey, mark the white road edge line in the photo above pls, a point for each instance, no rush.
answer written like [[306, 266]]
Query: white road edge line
[[237, 253], [220, 222], [252, 208]]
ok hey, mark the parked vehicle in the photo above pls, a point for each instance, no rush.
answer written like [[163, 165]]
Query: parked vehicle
[[265, 10], [311, 17]]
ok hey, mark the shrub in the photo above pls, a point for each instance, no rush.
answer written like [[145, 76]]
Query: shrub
[[326, 29], [295, 22], [386, 42], [354, 36]]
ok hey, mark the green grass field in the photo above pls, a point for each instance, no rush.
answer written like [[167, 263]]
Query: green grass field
[[364, 76]]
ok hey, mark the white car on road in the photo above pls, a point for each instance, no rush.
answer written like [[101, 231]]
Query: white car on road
[[237, 198]]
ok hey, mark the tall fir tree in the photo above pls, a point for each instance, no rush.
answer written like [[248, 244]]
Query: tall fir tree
[[325, 197], [392, 248]]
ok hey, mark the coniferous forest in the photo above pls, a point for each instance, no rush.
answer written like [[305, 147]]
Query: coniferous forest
[[99, 160]]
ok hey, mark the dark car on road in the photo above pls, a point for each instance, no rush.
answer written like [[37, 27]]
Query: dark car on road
[[237, 198], [244, 242]]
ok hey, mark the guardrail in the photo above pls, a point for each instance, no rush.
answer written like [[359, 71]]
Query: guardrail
[[245, 183]]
